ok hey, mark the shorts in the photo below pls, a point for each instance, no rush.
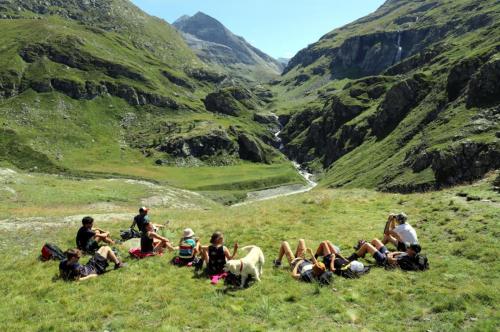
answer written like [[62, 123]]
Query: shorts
[[296, 261], [402, 246], [98, 263], [327, 260], [381, 256], [91, 247]]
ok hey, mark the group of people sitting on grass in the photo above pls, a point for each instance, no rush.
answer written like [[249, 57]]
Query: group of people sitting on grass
[[96, 242]]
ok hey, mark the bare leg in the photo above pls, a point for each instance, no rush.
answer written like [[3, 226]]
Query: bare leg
[[285, 250], [301, 249], [366, 248], [325, 248], [377, 243], [107, 253], [204, 253]]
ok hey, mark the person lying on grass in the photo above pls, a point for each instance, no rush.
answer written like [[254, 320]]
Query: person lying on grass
[[303, 269], [189, 248], [152, 243], [216, 255], [398, 232], [382, 255], [89, 237], [71, 269]]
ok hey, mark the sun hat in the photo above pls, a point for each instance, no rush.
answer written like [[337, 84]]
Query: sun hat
[[357, 266], [188, 232]]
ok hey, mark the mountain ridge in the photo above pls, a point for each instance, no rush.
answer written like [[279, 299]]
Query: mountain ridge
[[216, 44]]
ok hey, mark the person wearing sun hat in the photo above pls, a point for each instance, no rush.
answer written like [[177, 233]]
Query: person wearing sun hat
[[189, 248]]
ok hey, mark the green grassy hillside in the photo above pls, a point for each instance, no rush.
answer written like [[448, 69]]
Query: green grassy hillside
[[457, 234], [103, 87], [405, 99]]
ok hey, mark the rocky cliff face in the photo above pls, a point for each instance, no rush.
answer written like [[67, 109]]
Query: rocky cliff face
[[419, 109], [215, 44]]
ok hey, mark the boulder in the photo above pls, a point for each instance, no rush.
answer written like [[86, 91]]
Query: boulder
[[200, 146], [397, 103], [460, 75], [484, 86], [222, 102], [251, 149]]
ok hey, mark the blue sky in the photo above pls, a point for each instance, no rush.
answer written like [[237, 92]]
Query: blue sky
[[278, 27]]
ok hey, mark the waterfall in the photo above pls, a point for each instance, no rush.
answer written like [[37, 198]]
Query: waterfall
[[400, 49]]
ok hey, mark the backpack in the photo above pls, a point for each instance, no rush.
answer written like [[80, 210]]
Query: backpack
[[416, 263], [343, 269], [51, 251], [129, 234]]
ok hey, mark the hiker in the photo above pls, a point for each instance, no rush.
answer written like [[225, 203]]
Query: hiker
[[329, 252], [307, 270], [189, 248], [142, 219], [71, 269], [88, 236], [382, 255], [152, 243], [398, 232], [215, 255]]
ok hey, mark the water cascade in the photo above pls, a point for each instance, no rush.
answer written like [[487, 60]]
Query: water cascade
[[400, 49]]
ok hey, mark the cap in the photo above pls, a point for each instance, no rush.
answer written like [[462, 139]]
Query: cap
[[401, 217], [357, 266], [188, 232], [145, 209]]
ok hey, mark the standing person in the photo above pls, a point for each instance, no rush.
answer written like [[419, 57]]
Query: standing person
[[71, 269], [215, 255], [152, 243], [88, 237], [399, 232]]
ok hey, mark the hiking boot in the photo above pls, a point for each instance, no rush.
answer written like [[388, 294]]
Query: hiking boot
[[360, 243], [276, 263]]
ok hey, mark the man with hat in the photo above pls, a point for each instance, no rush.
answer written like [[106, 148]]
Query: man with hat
[[142, 219], [399, 232]]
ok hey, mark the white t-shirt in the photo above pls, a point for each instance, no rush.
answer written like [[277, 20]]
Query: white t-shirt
[[407, 233]]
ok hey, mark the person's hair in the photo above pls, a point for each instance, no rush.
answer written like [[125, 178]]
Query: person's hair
[[87, 220], [401, 217], [215, 237], [70, 253], [319, 268], [416, 247]]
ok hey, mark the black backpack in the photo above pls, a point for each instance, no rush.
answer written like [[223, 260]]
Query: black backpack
[[343, 269], [129, 234], [416, 263], [51, 251]]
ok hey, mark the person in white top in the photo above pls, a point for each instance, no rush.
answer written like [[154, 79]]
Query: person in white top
[[398, 232]]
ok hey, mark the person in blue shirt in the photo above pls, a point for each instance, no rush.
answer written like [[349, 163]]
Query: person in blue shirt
[[189, 248]]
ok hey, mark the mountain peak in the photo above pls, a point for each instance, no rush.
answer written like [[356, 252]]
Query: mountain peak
[[216, 44]]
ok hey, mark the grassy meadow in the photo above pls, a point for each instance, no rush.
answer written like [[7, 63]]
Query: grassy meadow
[[459, 292]]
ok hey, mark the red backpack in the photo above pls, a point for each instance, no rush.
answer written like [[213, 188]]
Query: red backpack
[[51, 251]]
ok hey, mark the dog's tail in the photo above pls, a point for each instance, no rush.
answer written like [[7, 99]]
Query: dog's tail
[[248, 248]]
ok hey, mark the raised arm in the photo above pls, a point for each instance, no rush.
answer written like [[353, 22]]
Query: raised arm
[[235, 251]]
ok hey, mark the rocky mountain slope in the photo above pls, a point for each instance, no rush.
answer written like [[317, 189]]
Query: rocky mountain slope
[[217, 45], [101, 82], [405, 99]]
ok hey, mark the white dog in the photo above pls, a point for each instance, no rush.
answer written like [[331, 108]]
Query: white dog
[[251, 264]]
